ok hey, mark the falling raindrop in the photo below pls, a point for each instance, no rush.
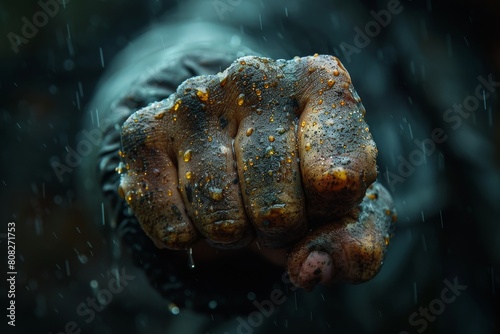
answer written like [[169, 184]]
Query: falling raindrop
[[191, 264]]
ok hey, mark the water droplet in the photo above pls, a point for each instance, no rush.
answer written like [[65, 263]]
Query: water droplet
[[269, 151], [129, 198], [177, 104], [241, 99], [187, 156], [174, 309], [215, 193], [223, 81], [160, 115], [202, 94], [387, 240]]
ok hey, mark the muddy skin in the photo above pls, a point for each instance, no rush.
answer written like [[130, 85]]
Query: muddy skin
[[266, 149]]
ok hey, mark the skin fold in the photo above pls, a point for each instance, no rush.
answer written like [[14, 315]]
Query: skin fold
[[273, 151]]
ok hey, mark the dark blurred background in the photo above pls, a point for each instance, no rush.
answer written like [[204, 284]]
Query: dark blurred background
[[427, 59]]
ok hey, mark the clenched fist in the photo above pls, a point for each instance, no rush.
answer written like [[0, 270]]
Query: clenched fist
[[273, 150]]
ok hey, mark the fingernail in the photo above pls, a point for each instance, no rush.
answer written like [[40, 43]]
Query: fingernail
[[316, 268]]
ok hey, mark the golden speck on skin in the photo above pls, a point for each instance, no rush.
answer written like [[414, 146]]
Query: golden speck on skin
[[315, 55], [314, 123], [129, 198], [271, 138], [241, 99], [331, 82], [177, 104], [303, 124], [223, 82], [320, 102], [209, 138], [249, 132], [266, 85], [387, 240], [342, 103], [215, 193], [169, 192], [308, 146], [202, 94], [243, 62], [121, 192], [345, 85], [250, 162], [289, 159], [189, 175], [334, 105], [271, 118], [258, 92], [187, 156], [121, 154], [336, 72], [160, 115]]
